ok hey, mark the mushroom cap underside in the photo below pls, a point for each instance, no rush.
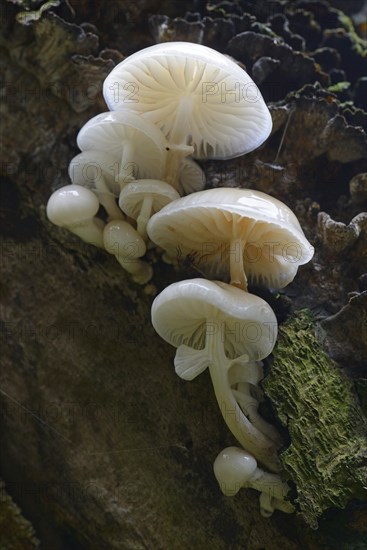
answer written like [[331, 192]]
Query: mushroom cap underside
[[185, 312], [114, 131], [133, 194], [203, 225], [226, 114], [89, 167]]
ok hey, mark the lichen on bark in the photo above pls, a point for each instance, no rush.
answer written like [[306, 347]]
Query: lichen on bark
[[318, 405]]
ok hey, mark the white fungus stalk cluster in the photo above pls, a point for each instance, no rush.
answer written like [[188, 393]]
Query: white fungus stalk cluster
[[169, 104]]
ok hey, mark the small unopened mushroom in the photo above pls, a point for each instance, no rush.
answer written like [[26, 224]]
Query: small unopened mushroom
[[122, 240], [94, 170], [74, 207], [204, 103], [191, 177], [234, 234], [235, 468], [137, 143], [216, 325], [142, 198]]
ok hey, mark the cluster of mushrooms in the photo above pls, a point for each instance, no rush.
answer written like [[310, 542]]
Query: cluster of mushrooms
[[170, 103]]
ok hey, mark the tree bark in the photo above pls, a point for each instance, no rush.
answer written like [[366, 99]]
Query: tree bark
[[103, 446]]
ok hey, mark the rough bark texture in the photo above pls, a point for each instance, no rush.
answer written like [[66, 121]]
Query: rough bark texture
[[102, 445], [16, 532], [326, 425]]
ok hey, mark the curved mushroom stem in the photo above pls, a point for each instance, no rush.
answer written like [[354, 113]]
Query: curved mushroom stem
[[244, 377], [244, 370], [141, 271], [90, 231], [238, 275], [180, 130], [236, 248], [261, 446], [249, 406], [107, 200], [273, 491], [144, 216]]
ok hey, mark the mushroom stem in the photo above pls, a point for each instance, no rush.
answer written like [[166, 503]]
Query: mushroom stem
[[270, 484], [175, 156], [238, 275], [248, 435], [235, 468], [144, 216], [90, 231], [244, 370], [268, 504], [124, 176], [141, 271], [107, 200], [249, 405], [178, 148], [236, 248], [180, 130]]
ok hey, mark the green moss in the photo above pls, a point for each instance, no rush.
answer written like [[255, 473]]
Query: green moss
[[27, 17], [339, 87], [359, 44], [318, 405]]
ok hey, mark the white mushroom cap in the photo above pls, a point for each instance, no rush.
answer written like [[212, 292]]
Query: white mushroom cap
[[239, 230], [71, 205], [212, 324], [122, 240], [233, 468], [133, 195], [195, 95], [142, 198], [137, 143], [245, 323], [74, 208]]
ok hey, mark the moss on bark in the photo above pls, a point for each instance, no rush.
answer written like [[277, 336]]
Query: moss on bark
[[318, 405]]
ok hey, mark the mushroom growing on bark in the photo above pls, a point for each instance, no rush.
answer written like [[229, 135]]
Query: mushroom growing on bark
[[138, 145], [74, 207], [216, 325], [94, 170], [204, 103], [235, 468], [125, 243], [234, 234], [244, 379], [142, 198], [191, 177]]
